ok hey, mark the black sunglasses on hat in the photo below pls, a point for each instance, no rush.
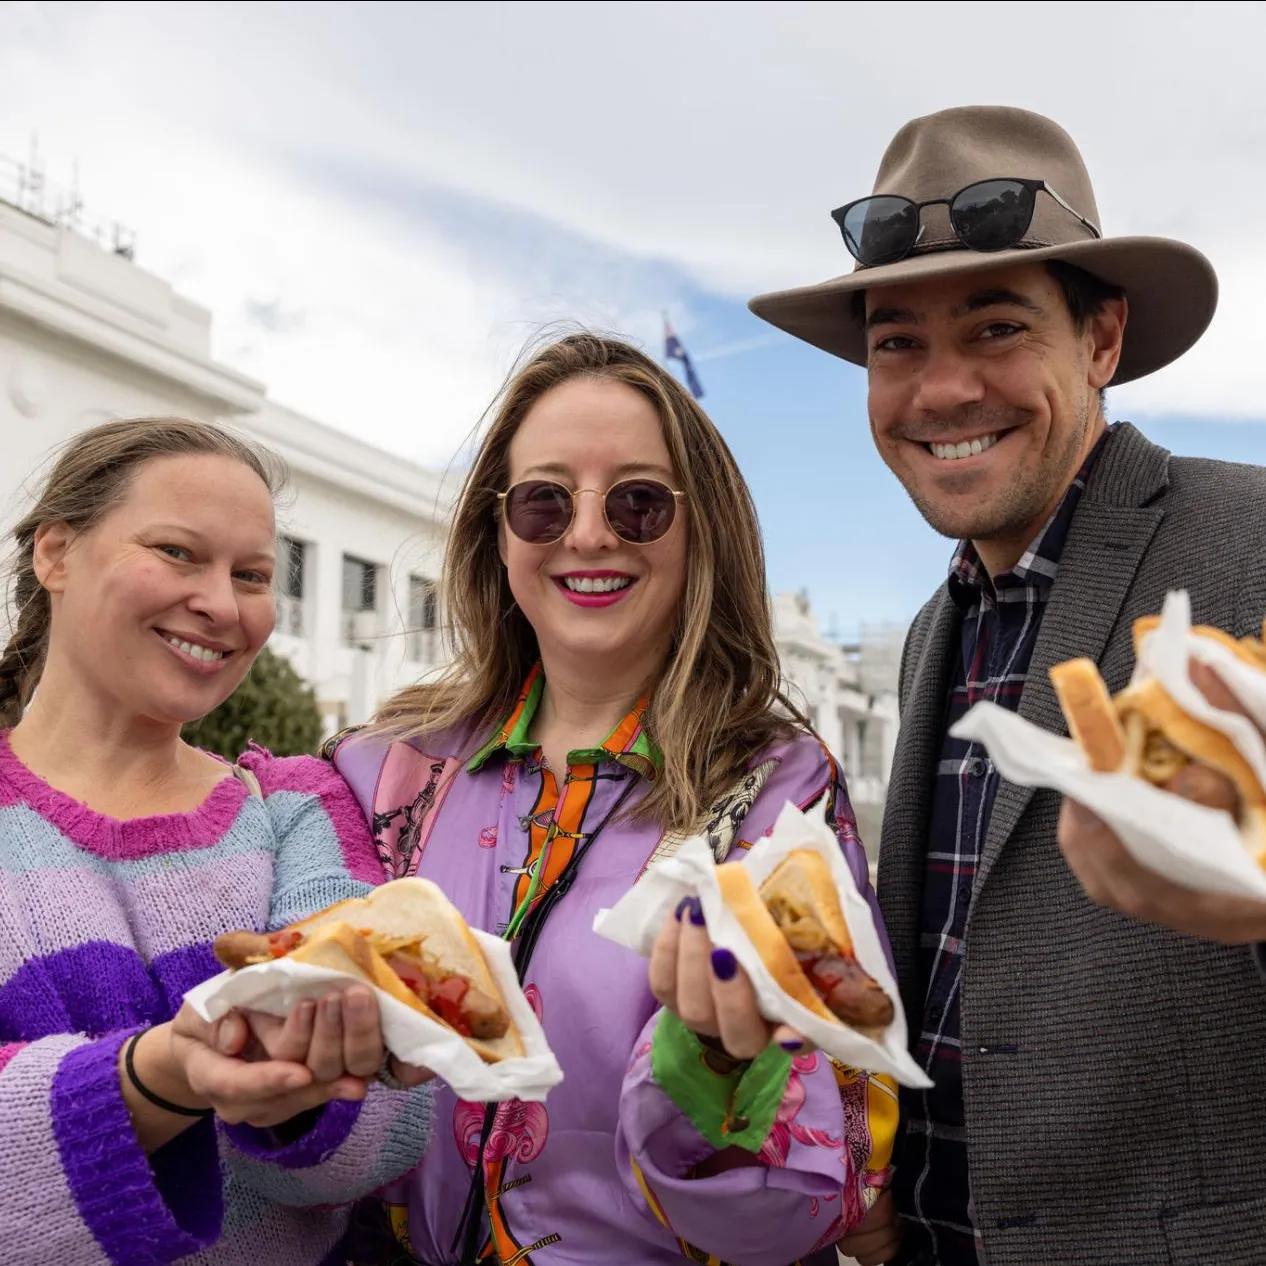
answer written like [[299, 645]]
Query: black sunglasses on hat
[[987, 215]]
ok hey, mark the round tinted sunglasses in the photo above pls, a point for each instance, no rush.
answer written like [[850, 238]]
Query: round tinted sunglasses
[[989, 215], [539, 511]]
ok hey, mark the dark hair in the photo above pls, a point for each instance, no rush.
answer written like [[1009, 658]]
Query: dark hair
[[1085, 295], [93, 473]]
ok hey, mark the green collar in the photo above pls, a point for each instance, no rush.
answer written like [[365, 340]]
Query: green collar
[[628, 744]]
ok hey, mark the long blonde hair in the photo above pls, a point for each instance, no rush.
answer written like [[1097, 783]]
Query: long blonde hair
[[718, 701], [93, 473]]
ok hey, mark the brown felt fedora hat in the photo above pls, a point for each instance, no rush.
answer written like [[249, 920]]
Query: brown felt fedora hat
[[1172, 288]]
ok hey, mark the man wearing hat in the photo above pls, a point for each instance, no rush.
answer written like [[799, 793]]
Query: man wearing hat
[[1096, 1045]]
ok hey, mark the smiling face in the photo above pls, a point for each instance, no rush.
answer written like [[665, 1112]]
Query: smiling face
[[984, 399], [594, 600], [161, 607]]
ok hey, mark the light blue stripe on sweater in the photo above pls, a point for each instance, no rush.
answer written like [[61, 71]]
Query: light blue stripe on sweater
[[399, 1150], [313, 876], [31, 844]]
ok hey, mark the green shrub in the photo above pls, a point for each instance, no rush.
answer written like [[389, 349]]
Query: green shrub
[[273, 707]]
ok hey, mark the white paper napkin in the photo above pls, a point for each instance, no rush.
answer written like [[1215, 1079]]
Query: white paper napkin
[[1197, 847], [1164, 655], [274, 988], [637, 917]]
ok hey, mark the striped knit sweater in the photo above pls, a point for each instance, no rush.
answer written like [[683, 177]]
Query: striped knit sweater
[[103, 926]]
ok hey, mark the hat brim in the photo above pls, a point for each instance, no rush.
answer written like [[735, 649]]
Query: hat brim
[[1171, 287]]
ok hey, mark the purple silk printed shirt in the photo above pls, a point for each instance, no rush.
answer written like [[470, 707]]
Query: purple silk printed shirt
[[606, 1169]]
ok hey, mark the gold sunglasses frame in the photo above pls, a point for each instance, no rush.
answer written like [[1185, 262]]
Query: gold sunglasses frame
[[678, 497]]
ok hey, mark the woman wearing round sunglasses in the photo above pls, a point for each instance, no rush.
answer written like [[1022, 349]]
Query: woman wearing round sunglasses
[[615, 686]]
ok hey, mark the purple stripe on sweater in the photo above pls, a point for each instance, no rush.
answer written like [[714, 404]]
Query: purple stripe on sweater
[[225, 891], [309, 775], [317, 1145], [97, 988], [93, 988], [123, 841], [180, 970], [110, 1177]]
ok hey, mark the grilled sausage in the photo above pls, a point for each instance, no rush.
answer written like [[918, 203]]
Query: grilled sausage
[[848, 991], [1205, 786], [241, 949]]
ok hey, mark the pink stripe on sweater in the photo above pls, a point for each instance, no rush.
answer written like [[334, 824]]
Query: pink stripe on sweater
[[8, 1051], [359, 855], [110, 838], [313, 776]]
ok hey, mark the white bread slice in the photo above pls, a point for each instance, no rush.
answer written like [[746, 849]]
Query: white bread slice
[[741, 895], [414, 915], [1091, 715], [1101, 726]]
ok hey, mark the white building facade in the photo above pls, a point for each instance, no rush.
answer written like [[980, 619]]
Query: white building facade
[[848, 692], [86, 335]]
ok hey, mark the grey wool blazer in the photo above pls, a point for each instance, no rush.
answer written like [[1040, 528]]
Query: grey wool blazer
[[1114, 1073]]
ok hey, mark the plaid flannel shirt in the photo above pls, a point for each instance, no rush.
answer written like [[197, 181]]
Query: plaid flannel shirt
[[999, 629]]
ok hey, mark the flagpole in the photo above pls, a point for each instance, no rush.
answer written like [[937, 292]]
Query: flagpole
[[674, 350]]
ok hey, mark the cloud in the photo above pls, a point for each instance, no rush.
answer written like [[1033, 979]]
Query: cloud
[[738, 347], [271, 316], [428, 184]]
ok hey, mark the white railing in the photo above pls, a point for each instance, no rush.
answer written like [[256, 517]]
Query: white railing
[[866, 789], [290, 616], [24, 186], [424, 646], [360, 628]]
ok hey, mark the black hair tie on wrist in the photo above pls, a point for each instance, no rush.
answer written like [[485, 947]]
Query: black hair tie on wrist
[[141, 1089]]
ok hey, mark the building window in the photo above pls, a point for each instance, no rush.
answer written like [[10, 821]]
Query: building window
[[292, 557], [360, 584], [424, 620], [360, 600]]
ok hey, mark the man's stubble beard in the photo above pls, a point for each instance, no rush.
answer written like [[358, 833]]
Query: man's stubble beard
[[1021, 504]]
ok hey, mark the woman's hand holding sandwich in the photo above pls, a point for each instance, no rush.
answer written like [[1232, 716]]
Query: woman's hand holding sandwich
[[200, 1064], [261, 1070], [1112, 878], [404, 939], [708, 989], [335, 1036], [796, 924]]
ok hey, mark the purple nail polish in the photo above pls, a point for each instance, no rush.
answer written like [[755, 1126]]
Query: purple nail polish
[[791, 1044], [682, 906], [696, 912], [724, 964]]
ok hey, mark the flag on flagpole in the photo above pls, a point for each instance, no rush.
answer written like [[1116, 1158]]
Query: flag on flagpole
[[673, 350]]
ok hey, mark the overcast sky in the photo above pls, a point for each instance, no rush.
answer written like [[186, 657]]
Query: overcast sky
[[380, 202]]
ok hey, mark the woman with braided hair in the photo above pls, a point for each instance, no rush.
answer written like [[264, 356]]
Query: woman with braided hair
[[130, 1131]]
